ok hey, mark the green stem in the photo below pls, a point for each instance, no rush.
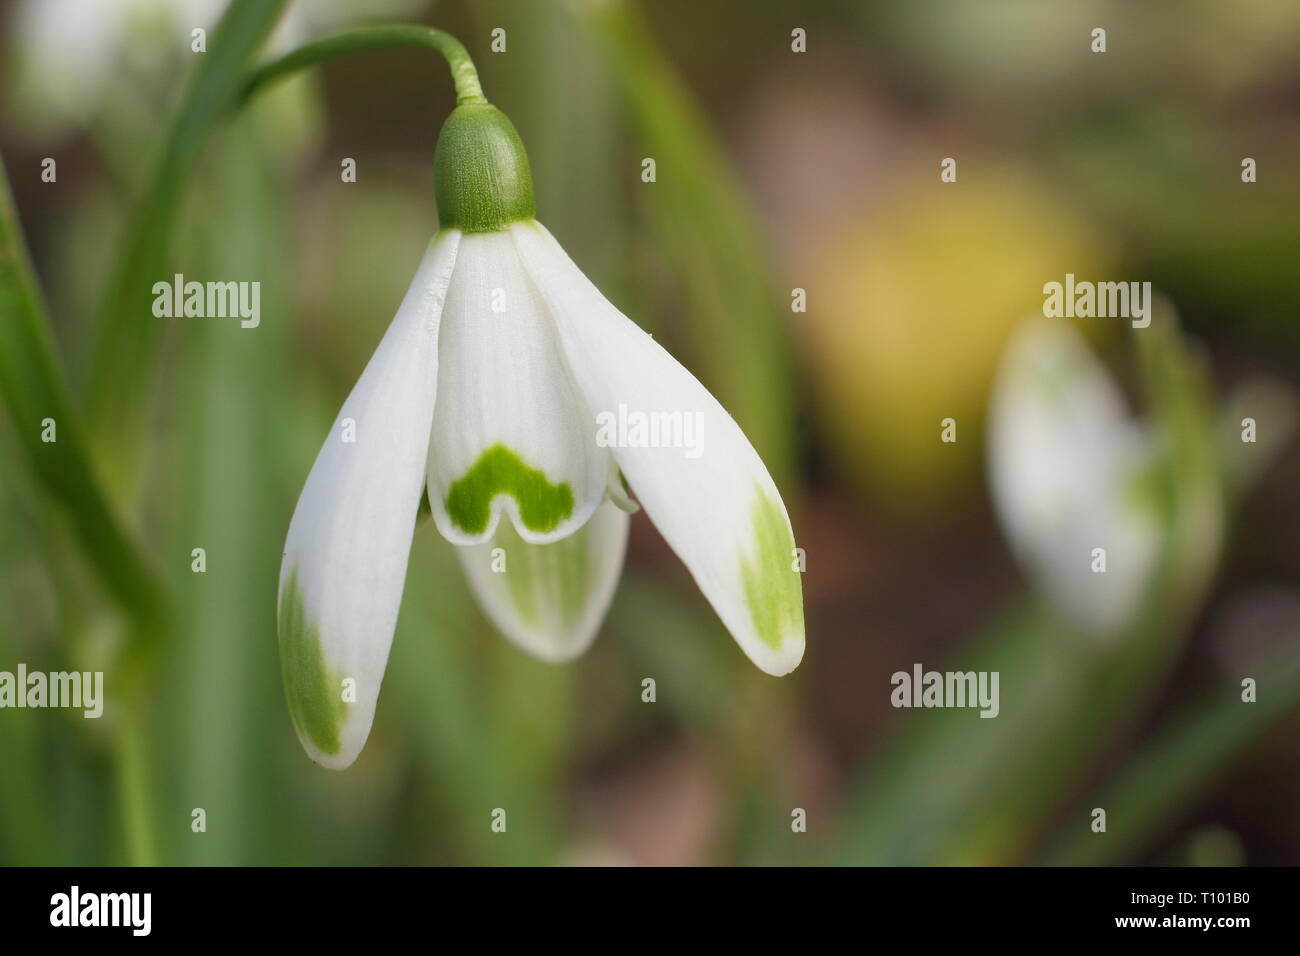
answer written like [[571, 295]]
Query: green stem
[[386, 36], [133, 784]]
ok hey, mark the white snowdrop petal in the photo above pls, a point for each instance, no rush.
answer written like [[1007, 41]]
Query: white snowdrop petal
[[511, 435], [549, 599], [688, 463], [345, 557]]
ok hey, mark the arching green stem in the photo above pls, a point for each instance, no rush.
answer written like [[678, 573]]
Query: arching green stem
[[385, 36]]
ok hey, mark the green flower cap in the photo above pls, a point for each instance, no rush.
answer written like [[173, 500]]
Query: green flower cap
[[481, 176]]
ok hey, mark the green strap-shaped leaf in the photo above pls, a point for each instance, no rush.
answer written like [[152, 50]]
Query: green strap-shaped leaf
[[129, 334], [37, 397]]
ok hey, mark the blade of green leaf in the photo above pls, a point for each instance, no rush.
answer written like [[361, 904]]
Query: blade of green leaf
[[35, 391], [129, 334]]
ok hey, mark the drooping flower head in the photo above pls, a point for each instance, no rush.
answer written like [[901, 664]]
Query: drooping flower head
[[487, 391]]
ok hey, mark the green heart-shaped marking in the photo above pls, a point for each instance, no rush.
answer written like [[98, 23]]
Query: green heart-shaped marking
[[500, 471]]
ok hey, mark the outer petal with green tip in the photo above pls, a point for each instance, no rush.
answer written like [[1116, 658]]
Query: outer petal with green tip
[[715, 505], [345, 557], [550, 599], [511, 434]]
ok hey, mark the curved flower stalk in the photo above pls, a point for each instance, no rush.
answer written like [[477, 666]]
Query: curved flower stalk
[[1071, 473], [530, 410]]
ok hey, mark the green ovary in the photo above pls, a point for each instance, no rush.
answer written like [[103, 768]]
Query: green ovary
[[772, 588], [315, 695], [500, 471]]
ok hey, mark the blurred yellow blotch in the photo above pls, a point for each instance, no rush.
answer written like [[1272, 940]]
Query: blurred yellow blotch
[[911, 301]]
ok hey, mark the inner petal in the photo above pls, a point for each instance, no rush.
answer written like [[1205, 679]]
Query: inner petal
[[510, 432]]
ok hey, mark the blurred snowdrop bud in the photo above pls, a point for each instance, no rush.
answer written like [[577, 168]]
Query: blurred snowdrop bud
[[1070, 474], [65, 54]]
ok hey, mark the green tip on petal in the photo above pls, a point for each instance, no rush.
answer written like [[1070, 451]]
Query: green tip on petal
[[773, 591], [315, 696], [481, 175]]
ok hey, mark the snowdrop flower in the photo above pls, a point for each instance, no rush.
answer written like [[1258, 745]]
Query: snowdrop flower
[[1071, 473], [486, 390]]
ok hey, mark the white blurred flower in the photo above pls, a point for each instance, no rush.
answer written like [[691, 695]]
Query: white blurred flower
[[1070, 473], [66, 56]]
